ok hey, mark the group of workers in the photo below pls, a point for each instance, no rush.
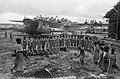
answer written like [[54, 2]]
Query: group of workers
[[104, 55], [10, 35], [52, 42]]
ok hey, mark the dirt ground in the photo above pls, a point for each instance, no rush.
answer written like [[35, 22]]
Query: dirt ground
[[60, 65]]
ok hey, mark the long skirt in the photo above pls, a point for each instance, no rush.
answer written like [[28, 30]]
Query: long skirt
[[110, 68], [105, 64], [19, 62], [96, 57]]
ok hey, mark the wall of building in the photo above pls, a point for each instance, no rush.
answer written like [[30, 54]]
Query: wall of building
[[114, 28]]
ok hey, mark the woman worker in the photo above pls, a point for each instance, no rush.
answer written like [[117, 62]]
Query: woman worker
[[18, 67]]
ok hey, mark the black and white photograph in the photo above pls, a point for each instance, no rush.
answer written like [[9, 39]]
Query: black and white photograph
[[59, 39]]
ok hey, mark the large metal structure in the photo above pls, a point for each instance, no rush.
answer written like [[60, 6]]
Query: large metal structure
[[38, 26]]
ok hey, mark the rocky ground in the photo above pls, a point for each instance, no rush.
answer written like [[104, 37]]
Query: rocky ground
[[62, 66]]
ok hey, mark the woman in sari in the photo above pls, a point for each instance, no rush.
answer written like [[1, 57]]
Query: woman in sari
[[19, 61]]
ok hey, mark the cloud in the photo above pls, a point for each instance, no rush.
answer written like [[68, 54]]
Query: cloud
[[38, 6], [5, 17], [93, 8], [71, 8]]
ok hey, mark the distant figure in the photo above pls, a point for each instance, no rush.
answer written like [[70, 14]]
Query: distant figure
[[30, 46], [105, 63], [81, 55], [35, 46], [112, 58], [96, 53], [24, 44], [100, 61], [81, 32], [19, 61], [11, 36], [6, 34]]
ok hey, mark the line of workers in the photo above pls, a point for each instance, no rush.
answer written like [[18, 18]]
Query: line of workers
[[55, 42], [104, 54]]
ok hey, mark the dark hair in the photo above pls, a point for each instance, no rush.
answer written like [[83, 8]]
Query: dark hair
[[101, 48], [90, 38], [95, 43], [29, 37], [18, 40], [24, 38], [82, 51], [35, 37], [86, 37], [106, 49], [79, 48], [101, 43], [113, 51]]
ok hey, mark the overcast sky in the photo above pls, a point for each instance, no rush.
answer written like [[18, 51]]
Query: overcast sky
[[76, 10]]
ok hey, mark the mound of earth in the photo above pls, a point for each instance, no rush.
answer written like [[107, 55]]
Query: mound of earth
[[62, 65]]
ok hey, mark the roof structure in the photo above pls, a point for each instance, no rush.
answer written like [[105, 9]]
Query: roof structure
[[114, 11]]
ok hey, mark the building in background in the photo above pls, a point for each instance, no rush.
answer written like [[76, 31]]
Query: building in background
[[114, 18]]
